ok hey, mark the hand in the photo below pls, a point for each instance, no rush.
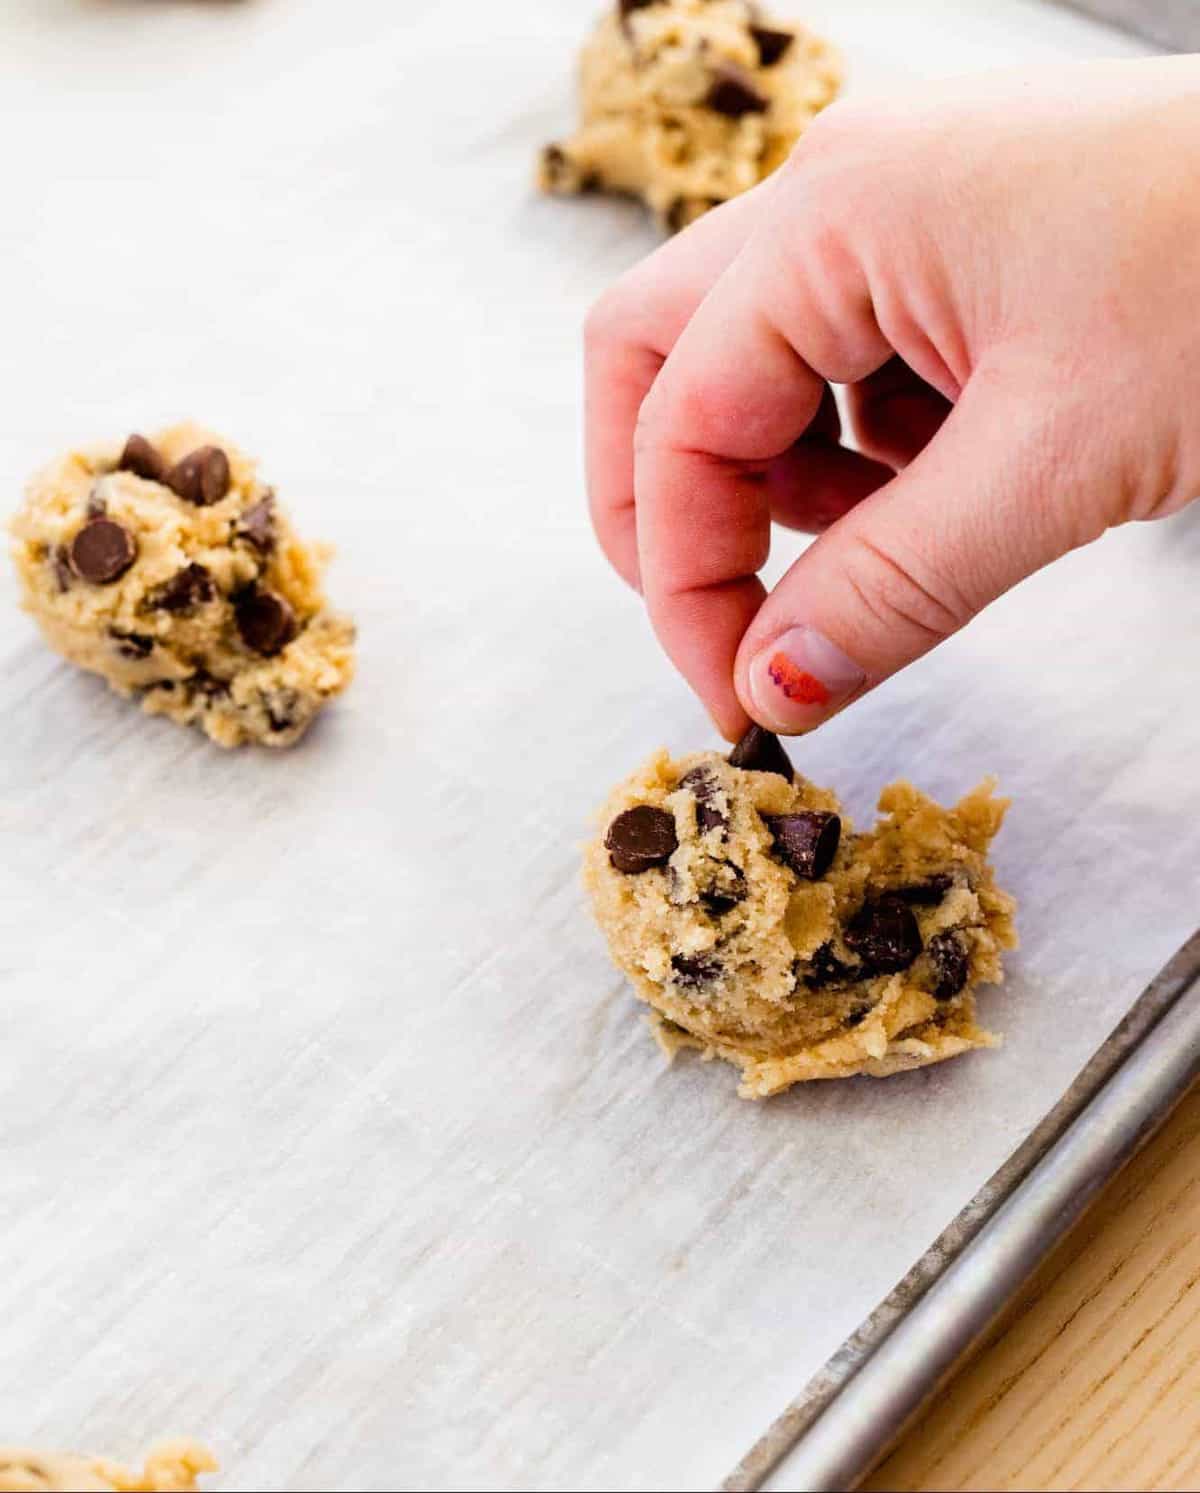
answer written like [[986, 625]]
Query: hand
[[1006, 274]]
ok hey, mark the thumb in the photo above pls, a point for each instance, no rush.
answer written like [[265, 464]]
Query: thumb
[[985, 504]]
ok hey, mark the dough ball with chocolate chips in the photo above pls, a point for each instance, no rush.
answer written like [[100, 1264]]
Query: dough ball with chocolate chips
[[170, 1468], [763, 930], [165, 565], [686, 103]]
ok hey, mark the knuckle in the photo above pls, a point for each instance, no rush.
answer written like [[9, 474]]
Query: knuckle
[[609, 318], [684, 410], [902, 592], [600, 320], [831, 128], [648, 426]]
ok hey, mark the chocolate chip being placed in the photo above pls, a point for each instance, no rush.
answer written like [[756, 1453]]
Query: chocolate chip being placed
[[772, 44], [884, 935], [694, 971], [265, 621], [102, 551], [704, 788], [951, 964], [257, 524], [201, 477], [724, 891], [132, 644], [143, 459], [640, 839], [183, 592], [732, 93], [807, 842], [759, 751], [925, 893]]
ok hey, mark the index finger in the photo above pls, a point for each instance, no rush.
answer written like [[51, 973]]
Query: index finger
[[629, 334], [732, 395]]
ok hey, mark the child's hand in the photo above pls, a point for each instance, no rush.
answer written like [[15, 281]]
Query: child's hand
[[1007, 275]]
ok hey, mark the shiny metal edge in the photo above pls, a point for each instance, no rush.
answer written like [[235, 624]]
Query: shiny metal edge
[[1174, 24], [855, 1408]]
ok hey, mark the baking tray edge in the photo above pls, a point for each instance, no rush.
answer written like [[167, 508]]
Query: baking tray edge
[[856, 1407]]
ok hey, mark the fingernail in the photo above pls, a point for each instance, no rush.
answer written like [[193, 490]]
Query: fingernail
[[800, 679]]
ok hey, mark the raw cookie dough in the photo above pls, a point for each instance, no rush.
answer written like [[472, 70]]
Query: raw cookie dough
[[686, 103], [763, 931], [172, 1468], [168, 568]]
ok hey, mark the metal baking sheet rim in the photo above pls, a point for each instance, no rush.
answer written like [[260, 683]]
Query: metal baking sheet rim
[[856, 1407]]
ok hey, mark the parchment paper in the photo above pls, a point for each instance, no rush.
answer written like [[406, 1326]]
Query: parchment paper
[[327, 1132]]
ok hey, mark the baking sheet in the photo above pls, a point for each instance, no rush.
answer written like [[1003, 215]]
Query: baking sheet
[[1174, 24], [327, 1133]]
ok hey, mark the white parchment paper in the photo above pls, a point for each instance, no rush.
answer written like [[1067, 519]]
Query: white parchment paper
[[327, 1132]]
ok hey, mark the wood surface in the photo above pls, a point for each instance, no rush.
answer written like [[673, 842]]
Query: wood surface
[[1092, 1381]]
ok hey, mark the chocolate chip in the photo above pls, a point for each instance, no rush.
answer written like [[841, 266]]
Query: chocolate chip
[[556, 169], [640, 839], [857, 1016], [183, 592], [725, 891], [142, 459], [281, 708], [704, 788], [265, 621], [207, 685], [627, 7], [732, 93], [925, 893], [60, 564], [132, 644], [824, 968], [102, 551], [677, 216], [772, 44], [759, 751], [807, 842], [96, 507], [694, 971], [884, 935], [257, 524], [201, 477], [951, 964], [684, 211]]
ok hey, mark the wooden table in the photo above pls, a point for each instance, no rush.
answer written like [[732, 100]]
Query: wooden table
[[1093, 1379]]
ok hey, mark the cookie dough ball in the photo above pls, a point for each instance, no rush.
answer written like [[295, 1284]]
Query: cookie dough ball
[[171, 1468], [686, 103], [166, 566], [764, 931]]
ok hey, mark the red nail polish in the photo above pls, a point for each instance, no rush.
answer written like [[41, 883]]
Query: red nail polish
[[800, 679]]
